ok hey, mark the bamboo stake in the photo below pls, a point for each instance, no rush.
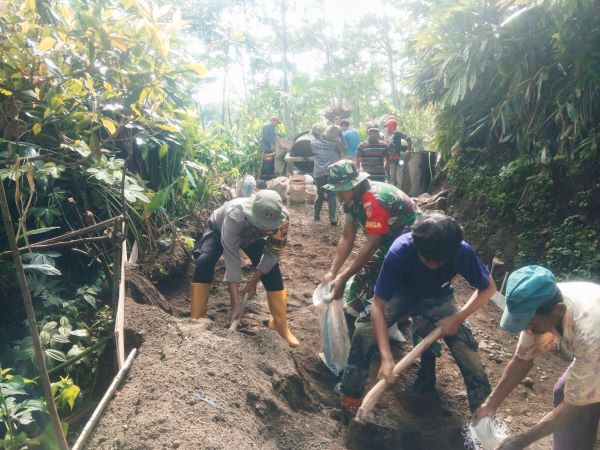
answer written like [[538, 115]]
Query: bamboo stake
[[90, 229], [59, 244], [66, 236], [120, 259], [37, 345], [120, 309], [100, 408]]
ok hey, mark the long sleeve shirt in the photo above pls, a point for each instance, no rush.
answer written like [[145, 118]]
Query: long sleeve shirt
[[326, 153], [237, 233], [268, 139]]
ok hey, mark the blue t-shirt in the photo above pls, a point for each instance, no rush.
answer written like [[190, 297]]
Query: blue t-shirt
[[352, 139], [403, 273]]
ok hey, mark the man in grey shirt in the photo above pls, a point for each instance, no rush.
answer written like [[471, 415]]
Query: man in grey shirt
[[258, 226], [327, 150]]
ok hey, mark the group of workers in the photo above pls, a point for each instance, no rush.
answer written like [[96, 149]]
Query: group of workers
[[378, 155], [404, 268]]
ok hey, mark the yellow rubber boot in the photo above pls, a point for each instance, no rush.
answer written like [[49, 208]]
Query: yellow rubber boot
[[199, 300], [278, 307]]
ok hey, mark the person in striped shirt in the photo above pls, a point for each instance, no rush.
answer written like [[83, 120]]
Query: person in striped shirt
[[371, 154]]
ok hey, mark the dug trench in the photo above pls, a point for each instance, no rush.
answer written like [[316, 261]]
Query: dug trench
[[201, 386]]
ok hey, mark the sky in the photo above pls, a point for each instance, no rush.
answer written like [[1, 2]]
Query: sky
[[338, 12]]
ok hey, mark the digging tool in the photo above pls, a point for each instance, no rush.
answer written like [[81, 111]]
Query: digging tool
[[236, 323], [364, 413]]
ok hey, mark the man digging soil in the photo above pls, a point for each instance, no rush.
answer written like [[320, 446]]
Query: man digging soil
[[549, 314], [415, 279], [258, 226]]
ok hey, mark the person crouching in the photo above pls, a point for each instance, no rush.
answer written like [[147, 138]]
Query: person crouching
[[257, 225]]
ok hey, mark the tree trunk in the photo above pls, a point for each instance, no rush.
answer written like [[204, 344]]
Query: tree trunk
[[284, 62], [389, 51]]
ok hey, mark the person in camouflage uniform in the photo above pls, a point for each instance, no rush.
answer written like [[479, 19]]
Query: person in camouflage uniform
[[383, 212]]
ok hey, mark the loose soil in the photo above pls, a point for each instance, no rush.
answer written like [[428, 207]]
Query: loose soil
[[199, 385]]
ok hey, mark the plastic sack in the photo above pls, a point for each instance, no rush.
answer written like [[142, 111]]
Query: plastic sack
[[487, 434], [248, 186], [395, 334], [280, 185], [335, 342], [245, 186]]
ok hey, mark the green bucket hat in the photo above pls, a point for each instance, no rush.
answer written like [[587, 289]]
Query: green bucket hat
[[265, 210], [343, 176]]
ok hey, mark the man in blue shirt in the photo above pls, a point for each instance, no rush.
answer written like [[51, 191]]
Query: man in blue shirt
[[415, 279], [267, 143], [351, 138], [269, 135]]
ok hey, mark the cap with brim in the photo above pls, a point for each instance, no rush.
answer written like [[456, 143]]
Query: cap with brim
[[344, 175], [515, 322], [265, 210], [347, 186], [527, 289]]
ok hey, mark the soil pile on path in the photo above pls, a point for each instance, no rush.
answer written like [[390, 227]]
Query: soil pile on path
[[251, 385], [270, 397]]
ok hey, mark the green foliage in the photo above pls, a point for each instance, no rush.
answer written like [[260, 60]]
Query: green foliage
[[65, 392], [570, 249], [98, 83], [516, 90], [17, 410], [21, 411]]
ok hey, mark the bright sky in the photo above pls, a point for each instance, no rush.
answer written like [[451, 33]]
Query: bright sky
[[338, 12]]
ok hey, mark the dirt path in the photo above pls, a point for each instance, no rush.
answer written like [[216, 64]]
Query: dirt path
[[261, 395]]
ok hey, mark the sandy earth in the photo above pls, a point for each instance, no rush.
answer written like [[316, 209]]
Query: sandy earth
[[262, 395]]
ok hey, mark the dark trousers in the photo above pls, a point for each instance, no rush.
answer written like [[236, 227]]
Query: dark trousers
[[462, 345], [580, 432], [331, 200], [209, 250]]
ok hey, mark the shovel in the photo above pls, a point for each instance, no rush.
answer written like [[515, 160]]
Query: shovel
[[236, 323], [364, 413]]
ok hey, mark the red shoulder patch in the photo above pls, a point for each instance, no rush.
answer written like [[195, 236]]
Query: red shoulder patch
[[377, 215]]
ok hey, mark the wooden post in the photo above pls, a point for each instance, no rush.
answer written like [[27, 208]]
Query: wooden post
[[119, 279], [37, 345], [120, 309]]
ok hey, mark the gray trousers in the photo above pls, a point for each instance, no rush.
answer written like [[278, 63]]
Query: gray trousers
[[331, 200], [462, 345], [394, 173]]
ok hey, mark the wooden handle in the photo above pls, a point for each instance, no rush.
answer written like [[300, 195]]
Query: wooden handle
[[373, 395]]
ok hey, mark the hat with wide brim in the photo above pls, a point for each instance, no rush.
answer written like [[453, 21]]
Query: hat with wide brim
[[265, 210], [527, 289], [344, 175]]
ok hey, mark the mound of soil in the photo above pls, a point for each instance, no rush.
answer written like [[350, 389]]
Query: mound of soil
[[260, 394]]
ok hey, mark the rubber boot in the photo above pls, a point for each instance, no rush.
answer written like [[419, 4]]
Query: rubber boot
[[199, 300], [425, 381], [278, 307]]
